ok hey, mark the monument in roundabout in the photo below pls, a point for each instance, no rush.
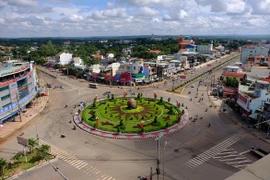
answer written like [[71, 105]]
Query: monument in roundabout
[[131, 114]]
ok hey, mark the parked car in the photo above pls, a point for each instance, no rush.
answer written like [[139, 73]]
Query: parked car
[[107, 93], [193, 86]]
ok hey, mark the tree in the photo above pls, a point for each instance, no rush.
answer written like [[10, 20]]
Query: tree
[[43, 150], [3, 164], [32, 144]]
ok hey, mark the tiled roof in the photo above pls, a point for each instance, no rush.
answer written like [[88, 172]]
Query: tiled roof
[[234, 74]]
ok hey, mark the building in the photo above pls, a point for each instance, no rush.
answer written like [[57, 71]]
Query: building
[[78, 61], [184, 41], [155, 51], [239, 76], [235, 69], [205, 49], [18, 85], [258, 60], [64, 58], [252, 50]]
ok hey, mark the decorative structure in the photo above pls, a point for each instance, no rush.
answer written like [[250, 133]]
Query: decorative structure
[[132, 103]]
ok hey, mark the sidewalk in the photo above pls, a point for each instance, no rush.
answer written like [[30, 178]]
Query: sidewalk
[[221, 106], [11, 127]]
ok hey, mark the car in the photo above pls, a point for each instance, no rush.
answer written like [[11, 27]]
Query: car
[[193, 86], [107, 93]]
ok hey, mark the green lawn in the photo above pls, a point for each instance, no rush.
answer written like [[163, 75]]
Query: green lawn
[[21, 165], [111, 112]]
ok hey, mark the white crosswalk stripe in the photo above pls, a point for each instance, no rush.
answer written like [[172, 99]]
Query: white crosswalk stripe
[[214, 151], [233, 158], [72, 160]]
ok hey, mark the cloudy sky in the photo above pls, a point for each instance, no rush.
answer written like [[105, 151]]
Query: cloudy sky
[[77, 18]]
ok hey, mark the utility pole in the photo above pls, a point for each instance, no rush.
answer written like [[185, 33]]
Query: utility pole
[[130, 80], [163, 158], [151, 174], [19, 108], [158, 156]]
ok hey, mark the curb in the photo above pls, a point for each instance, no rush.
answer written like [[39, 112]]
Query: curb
[[32, 169]]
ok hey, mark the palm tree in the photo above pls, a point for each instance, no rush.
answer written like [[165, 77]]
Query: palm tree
[[3, 164], [32, 144], [43, 150]]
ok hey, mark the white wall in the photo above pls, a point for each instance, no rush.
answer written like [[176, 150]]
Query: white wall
[[65, 58]]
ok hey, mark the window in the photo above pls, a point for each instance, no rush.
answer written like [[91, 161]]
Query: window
[[3, 88], [5, 97]]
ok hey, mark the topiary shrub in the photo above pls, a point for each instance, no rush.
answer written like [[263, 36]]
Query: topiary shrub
[[132, 103]]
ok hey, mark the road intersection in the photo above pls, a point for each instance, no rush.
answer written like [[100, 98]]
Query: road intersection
[[192, 153]]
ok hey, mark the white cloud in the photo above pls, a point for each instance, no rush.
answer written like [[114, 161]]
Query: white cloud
[[131, 17]]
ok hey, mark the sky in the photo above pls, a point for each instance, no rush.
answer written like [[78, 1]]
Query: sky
[[87, 18]]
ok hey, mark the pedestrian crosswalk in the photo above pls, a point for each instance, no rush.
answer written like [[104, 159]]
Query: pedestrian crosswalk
[[233, 158], [81, 165], [214, 151]]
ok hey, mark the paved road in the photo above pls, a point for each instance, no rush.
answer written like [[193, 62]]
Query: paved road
[[196, 151]]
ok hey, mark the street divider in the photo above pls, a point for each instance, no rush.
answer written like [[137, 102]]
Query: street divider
[[180, 88], [46, 73]]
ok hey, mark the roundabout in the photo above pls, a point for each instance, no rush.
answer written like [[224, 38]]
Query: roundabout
[[128, 118]]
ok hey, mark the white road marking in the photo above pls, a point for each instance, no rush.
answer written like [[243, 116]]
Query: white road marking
[[212, 152], [76, 162]]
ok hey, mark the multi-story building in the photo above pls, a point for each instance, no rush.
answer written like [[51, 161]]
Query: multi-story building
[[17, 88], [252, 50], [258, 60]]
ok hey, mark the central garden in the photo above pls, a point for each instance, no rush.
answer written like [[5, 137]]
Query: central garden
[[131, 115]]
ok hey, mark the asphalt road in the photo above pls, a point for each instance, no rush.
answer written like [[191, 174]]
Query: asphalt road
[[196, 152]]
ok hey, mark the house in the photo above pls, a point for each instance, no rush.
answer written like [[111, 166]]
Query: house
[[258, 59], [126, 51], [64, 58], [249, 99], [155, 51], [239, 76], [77, 61], [98, 56], [110, 55], [66, 43], [252, 50]]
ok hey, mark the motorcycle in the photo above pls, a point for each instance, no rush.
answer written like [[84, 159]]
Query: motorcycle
[[63, 136], [189, 92], [208, 125], [74, 127], [206, 110], [201, 117]]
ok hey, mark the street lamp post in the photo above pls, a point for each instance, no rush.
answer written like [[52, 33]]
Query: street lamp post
[[163, 157], [131, 80]]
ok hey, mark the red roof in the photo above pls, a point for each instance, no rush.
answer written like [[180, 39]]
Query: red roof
[[266, 79], [234, 74], [155, 51]]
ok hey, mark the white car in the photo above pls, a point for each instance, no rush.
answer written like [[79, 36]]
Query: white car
[[193, 86]]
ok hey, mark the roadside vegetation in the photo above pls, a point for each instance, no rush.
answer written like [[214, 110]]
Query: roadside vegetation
[[34, 156]]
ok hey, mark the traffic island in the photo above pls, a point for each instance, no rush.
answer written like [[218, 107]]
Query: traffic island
[[131, 118]]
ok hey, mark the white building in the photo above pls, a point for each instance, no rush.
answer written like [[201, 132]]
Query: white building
[[64, 58], [78, 61], [205, 49], [252, 50]]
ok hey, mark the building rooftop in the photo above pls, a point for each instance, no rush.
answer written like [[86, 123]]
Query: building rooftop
[[256, 171], [11, 68], [234, 74]]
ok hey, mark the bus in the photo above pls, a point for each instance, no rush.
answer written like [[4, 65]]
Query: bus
[[93, 85]]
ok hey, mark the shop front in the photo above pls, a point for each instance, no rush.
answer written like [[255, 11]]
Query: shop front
[[125, 78]]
